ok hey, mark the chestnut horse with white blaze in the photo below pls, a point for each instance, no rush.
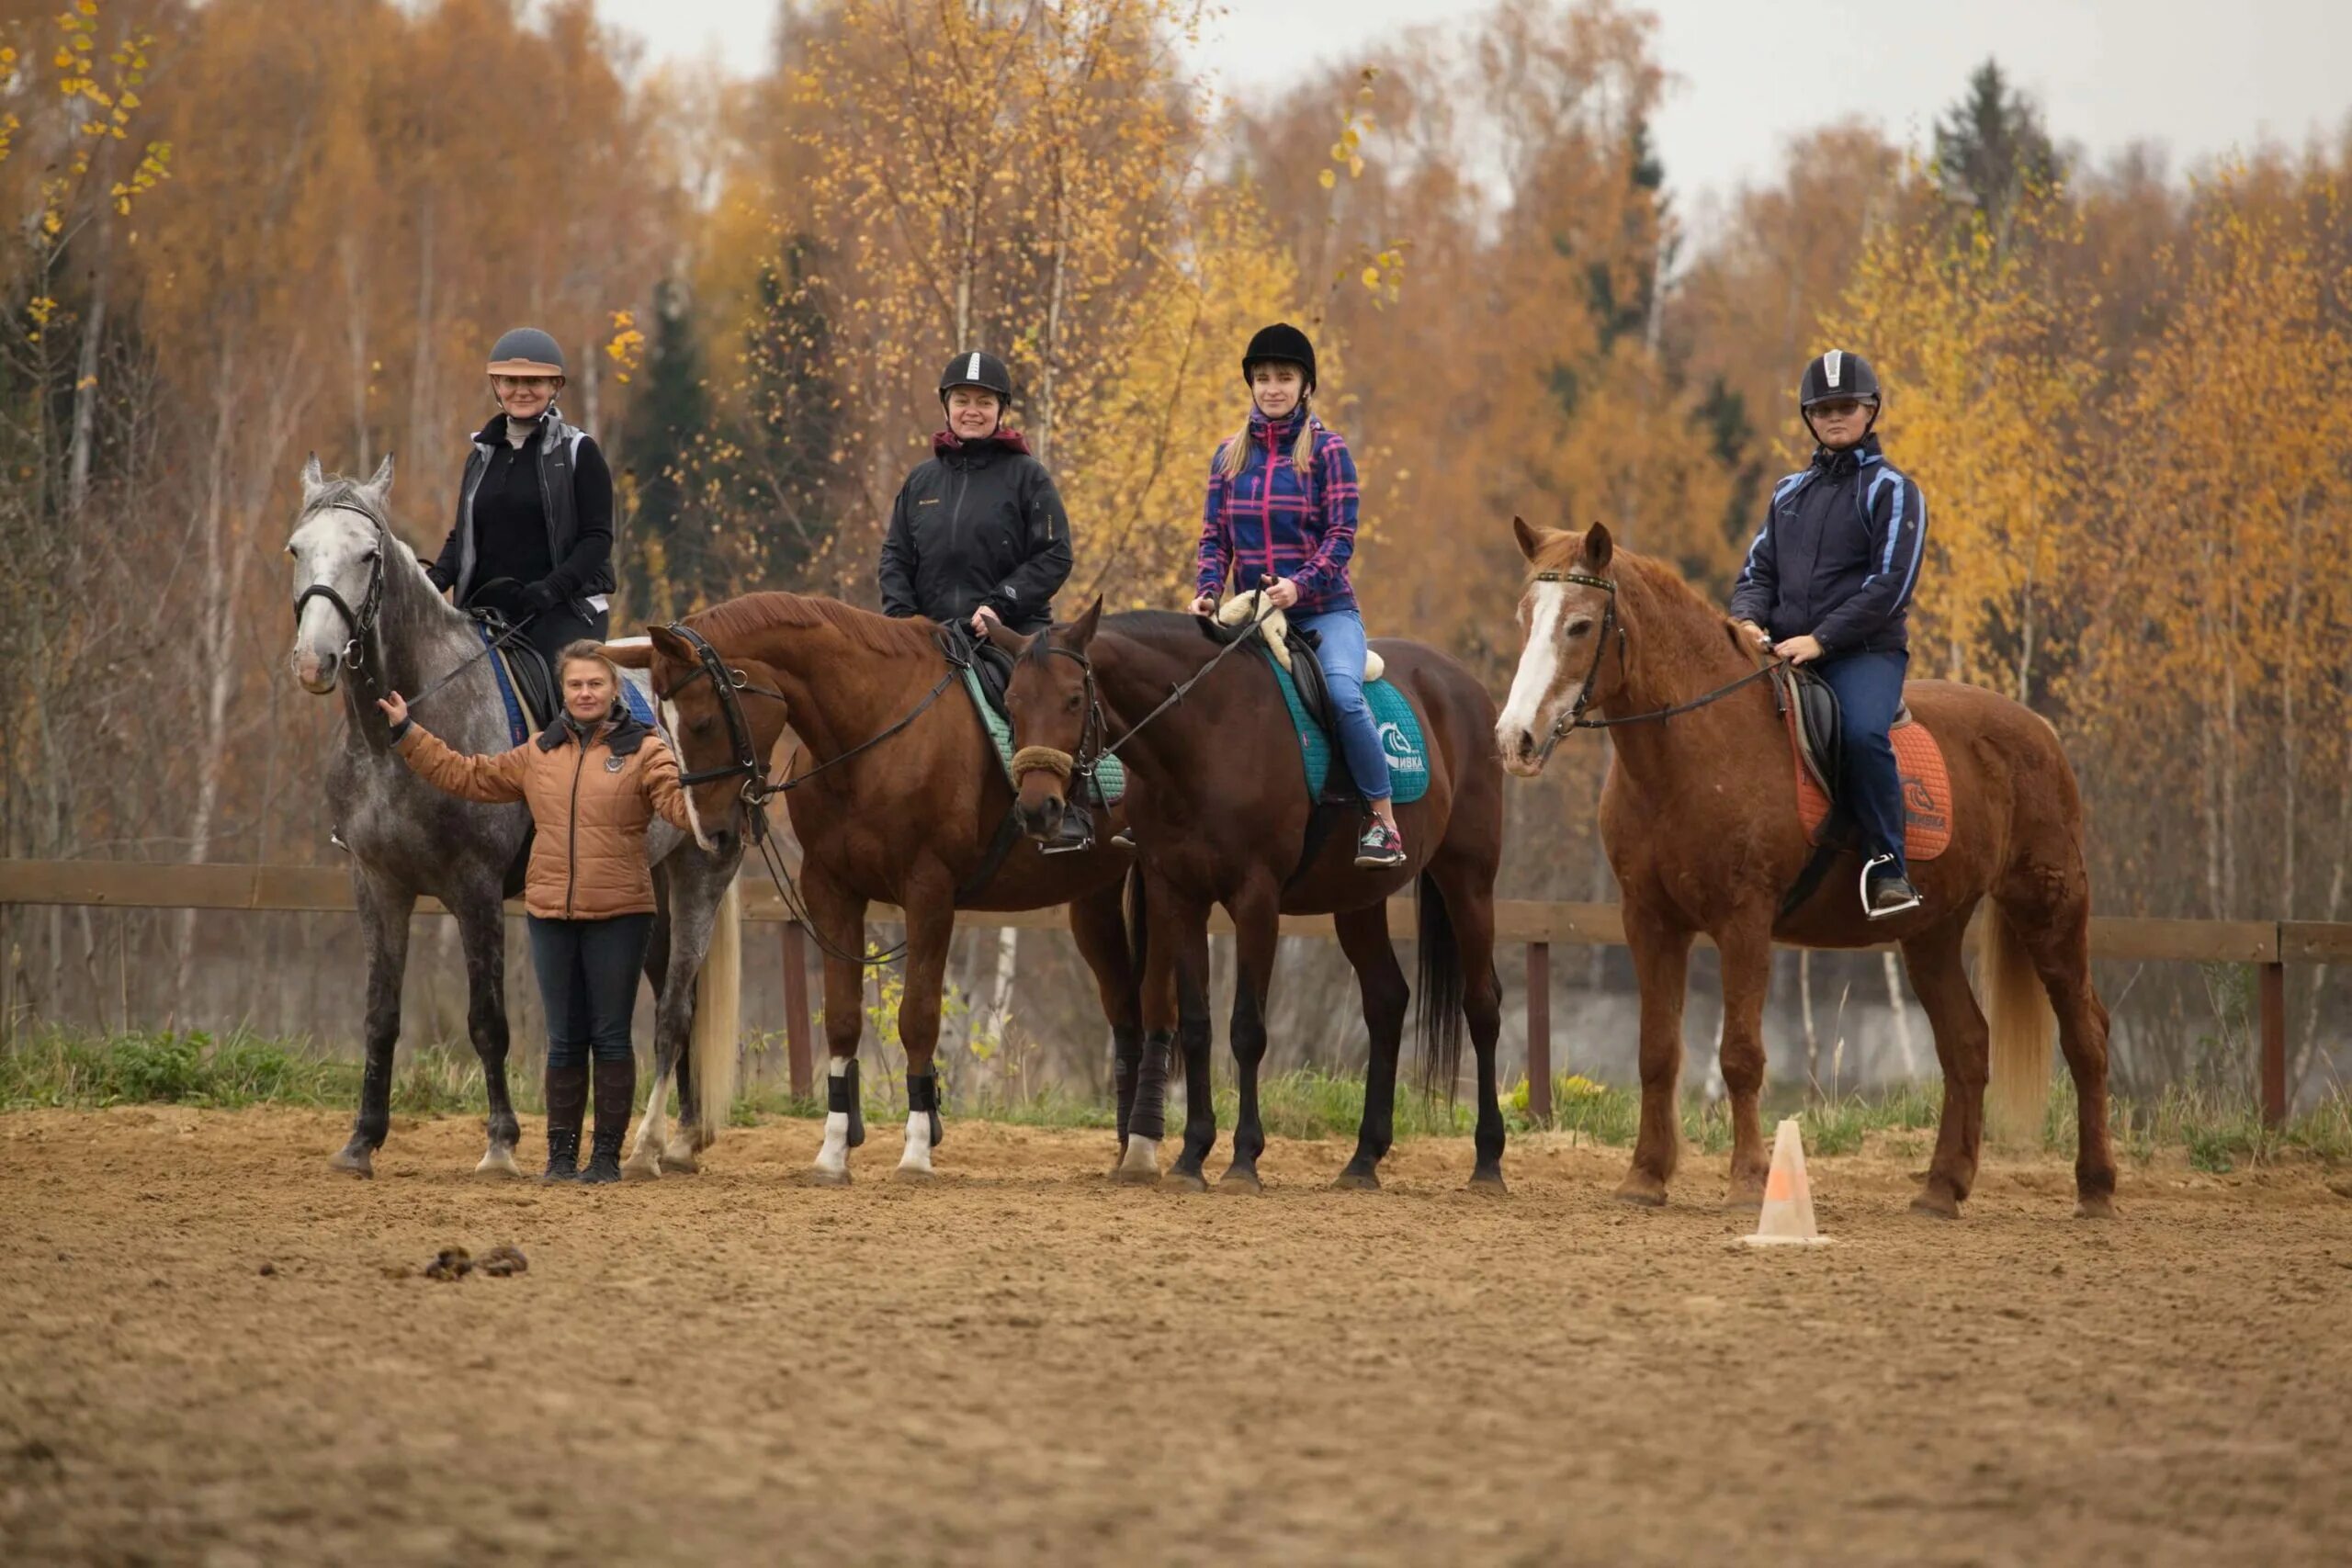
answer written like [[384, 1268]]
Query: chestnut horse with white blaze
[[1700, 819]]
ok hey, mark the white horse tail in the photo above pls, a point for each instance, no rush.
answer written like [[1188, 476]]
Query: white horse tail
[[719, 1014]]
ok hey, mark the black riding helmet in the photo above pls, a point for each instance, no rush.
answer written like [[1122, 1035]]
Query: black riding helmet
[[1284, 343], [1838, 377], [977, 367]]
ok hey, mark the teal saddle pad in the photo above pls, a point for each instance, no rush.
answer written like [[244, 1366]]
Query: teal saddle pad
[[1110, 773], [1391, 716]]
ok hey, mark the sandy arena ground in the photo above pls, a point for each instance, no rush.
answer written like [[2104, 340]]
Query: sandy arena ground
[[1023, 1363]]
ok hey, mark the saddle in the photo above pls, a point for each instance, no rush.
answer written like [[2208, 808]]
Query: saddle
[[1289, 654], [1816, 744]]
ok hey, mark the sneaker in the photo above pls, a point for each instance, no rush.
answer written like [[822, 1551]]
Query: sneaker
[[1379, 847], [1884, 897]]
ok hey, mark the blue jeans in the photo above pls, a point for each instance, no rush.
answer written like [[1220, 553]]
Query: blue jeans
[[1869, 692], [588, 975], [1341, 656]]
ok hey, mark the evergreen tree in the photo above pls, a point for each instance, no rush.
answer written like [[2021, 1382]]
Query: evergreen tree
[[669, 565], [784, 494], [1992, 148]]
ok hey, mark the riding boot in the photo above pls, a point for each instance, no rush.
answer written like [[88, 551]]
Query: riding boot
[[566, 1103], [615, 1098]]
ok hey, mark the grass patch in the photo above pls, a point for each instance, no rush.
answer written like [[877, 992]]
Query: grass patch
[[57, 1066]]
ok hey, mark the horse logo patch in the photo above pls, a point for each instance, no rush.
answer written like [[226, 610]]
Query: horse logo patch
[[1402, 757]]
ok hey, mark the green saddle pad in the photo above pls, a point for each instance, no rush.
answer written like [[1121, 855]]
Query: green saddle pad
[[1110, 773], [1391, 716]]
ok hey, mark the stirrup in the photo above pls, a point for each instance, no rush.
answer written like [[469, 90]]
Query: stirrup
[[1871, 911]]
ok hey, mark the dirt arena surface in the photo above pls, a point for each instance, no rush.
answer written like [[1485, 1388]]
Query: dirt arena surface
[[1023, 1363]]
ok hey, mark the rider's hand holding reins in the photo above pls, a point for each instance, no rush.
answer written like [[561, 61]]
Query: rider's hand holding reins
[[395, 709], [1282, 592], [983, 619], [1800, 649], [1205, 604]]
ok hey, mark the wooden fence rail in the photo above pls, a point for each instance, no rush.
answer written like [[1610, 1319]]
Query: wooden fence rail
[[1536, 926]]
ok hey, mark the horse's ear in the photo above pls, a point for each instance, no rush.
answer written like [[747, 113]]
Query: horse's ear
[[381, 483], [1597, 546], [668, 644], [1081, 635], [629, 653], [314, 480], [1005, 640], [1529, 541]]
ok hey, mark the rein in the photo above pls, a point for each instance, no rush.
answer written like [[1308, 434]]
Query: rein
[[1574, 719]]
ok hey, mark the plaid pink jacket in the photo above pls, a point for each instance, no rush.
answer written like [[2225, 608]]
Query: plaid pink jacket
[[1269, 519]]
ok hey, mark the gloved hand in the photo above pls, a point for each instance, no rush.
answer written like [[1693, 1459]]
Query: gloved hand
[[540, 597], [432, 575]]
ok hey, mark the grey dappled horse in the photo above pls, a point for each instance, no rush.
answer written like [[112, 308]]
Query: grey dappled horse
[[369, 620]]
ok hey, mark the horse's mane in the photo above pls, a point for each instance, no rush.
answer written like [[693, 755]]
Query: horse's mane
[[756, 612]]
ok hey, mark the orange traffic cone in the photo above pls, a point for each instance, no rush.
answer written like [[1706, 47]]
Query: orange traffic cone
[[1787, 1215]]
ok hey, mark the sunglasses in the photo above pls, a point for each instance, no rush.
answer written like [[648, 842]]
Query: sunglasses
[[1843, 408]]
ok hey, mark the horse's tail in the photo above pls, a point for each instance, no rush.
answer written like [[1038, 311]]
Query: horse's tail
[[718, 1012], [2019, 1011], [1439, 991]]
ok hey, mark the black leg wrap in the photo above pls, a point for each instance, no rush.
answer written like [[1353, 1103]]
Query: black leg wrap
[[841, 1094], [922, 1094], [1149, 1117], [1126, 1060]]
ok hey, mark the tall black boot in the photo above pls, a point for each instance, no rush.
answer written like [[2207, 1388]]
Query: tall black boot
[[615, 1098], [566, 1103]]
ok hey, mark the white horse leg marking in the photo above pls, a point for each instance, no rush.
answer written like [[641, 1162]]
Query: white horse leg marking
[[645, 1155], [498, 1161], [833, 1158], [1539, 666], [916, 1161], [1142, 1157]]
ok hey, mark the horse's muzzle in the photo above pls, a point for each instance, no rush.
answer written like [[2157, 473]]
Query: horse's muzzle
[[1042, 819], [316, 672], [1521, 752]]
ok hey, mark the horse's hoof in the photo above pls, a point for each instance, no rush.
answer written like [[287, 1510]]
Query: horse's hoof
[[1642, 1190], [2094, 1206], [1237, 1178], [1357, 1180], [498, 1162], [1739, 1200], [680, 1158], [1135, 1176], [819, 1176], [917, 1175], [356, 1158], [1488, 1183], [1936, 1205], [645, 1165], [1188, 1179]]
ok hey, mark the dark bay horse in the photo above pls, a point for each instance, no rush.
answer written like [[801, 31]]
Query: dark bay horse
[[898, 801], [368, 621], [1221, 814], [1700, 819]]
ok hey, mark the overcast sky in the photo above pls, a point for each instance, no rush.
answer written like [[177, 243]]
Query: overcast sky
[[2200, 75]]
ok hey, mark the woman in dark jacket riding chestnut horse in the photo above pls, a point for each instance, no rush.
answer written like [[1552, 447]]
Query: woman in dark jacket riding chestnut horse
[[978, 533]]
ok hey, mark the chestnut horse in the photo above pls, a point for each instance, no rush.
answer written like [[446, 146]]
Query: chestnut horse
[[1700, 819], [898, 800], [1222, 816]]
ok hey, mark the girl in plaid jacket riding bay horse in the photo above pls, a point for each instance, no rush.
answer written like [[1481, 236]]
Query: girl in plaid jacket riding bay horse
[[1281, 504]]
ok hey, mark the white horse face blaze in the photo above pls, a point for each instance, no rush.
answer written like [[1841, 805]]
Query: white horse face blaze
[[1560, 622]]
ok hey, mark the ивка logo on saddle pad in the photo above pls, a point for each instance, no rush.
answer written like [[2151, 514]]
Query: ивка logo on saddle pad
[[1404, 757]]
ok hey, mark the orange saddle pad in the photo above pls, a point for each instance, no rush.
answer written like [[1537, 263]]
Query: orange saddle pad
[[1926, 790]]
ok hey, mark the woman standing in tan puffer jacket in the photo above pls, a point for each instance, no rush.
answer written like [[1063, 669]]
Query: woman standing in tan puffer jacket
[[593, 780]]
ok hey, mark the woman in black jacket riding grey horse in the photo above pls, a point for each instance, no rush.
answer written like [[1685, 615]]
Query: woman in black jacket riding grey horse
[[534, 532]]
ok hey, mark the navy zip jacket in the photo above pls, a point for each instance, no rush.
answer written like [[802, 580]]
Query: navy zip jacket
[[1839, 554]]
